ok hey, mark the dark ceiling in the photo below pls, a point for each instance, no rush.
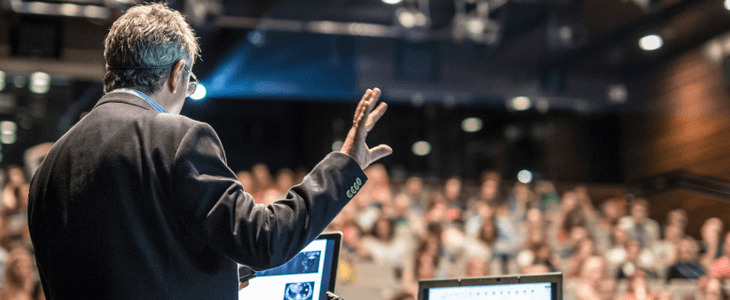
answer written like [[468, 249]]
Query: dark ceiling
[[528, 55]]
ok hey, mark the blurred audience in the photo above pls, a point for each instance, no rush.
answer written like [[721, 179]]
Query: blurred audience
[[18, 279], [419, 229]]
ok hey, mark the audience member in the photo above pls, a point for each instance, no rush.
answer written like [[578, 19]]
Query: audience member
[[666, 249], [688, 265], [711, 247], [638, 225], [18, 280], [638, 259], [429, 231], [477, 267], [591, 275], [638, 287], [710, 288], [610, 214], [284, 181], [383, 247], [721, 267]]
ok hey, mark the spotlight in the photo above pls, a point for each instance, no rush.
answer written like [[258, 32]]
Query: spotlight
[[471, 124], [727, 4], [40, 82], [200, 92], [651, 42], [520, 103], [421, 148], [524, 176], [411, 17], [392, 2]]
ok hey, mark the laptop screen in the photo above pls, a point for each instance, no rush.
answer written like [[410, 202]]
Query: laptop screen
[[520, 291], [534, 287], [307, 276]]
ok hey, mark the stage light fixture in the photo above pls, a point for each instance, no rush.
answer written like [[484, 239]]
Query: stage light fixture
[[471, 124], [40, 82], [651, 42], [421, 148], [8, 130], [200, 93], [524, 176], [8, 127]]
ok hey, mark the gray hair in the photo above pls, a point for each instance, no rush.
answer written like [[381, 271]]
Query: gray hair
[[143, 44]]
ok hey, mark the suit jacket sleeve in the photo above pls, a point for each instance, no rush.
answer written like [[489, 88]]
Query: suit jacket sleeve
[[253, 234]]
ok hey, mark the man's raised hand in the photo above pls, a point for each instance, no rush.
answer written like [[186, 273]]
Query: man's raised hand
[[366, 115]]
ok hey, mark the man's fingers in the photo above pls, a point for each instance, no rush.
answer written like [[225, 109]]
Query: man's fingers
[[375, 116], [361, 107], [379, 152], [374, 96]]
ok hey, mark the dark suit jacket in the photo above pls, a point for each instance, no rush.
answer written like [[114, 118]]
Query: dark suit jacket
[[136, 204]]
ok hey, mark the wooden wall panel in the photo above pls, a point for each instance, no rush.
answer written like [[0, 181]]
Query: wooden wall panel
[[684, 124]]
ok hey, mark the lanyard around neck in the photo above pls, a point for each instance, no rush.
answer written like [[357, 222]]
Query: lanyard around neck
[[149, 100]]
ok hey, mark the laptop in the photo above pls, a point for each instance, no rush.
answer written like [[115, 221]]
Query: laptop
[[307, 276], [529, 287]]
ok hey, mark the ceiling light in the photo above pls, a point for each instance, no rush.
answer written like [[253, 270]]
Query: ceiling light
[[392, 2], [471, 124], [727, 4], [524, 176], [40, 82], [651, 42], [520, 103], [421, 148]]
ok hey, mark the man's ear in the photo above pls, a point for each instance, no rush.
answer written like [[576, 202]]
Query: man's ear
[[173, 80]]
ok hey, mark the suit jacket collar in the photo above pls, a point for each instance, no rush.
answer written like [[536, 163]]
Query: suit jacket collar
[[123, 96]]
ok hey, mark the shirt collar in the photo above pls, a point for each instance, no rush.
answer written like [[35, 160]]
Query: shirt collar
[[149, 100]]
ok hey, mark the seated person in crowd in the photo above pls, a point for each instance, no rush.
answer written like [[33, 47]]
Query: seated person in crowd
[[638, 259], [638, 225], [721, 267], [611, 212], [591, 275], [666, 249], [384, 247], [711, 246], [688, 263]]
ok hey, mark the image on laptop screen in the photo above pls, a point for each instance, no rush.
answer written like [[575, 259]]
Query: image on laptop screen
[[307, 276], [536, 287]]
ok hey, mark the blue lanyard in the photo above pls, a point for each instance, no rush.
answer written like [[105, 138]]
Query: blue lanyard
[[150, 101]]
